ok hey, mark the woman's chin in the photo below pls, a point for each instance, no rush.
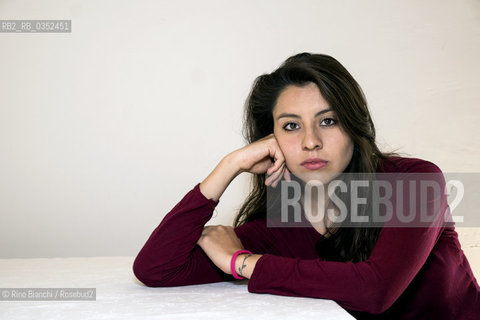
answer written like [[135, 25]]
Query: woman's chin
[[316, 177]]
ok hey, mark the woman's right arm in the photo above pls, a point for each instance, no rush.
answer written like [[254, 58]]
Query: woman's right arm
[[171, 256], [254, 158], [218, 180]]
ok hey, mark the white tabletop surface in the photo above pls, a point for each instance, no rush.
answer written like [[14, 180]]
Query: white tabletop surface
[[120, 296]]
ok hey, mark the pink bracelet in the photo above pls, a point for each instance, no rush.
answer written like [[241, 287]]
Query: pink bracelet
[[232, 263]]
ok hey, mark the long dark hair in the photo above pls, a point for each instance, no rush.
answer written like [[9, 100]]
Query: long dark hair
[[346, 97]]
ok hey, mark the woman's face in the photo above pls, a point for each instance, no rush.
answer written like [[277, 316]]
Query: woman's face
[[314, 144]]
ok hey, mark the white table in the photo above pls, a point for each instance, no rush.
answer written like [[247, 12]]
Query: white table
[[120, 296]]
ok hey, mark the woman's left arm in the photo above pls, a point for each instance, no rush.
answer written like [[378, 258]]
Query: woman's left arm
[[370, 286], [220, 243]]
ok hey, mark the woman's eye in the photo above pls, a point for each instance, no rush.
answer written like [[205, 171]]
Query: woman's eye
[[288, 126], [328, 122]]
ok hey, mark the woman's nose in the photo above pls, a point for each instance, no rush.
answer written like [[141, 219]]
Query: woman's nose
[[312, 140]]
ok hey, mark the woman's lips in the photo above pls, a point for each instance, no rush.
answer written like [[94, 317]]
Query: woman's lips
[[314, 165]]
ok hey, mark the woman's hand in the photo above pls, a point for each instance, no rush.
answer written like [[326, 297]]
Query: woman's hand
[[257, 158], [262, 156], [220, 243]]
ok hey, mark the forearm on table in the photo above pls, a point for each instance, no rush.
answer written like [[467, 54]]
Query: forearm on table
[[245, 264]]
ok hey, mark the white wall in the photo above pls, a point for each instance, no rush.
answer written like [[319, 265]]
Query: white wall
[[103, 130]]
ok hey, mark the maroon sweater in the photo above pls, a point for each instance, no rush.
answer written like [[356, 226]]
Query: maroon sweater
[[412, 273]]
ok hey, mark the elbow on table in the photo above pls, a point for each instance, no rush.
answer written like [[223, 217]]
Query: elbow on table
[[374, 298], [146, 281], [382, 301], [385, 303], [145, 275], [380, 307]]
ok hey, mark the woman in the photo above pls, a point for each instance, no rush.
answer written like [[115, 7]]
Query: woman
[[308, 121]]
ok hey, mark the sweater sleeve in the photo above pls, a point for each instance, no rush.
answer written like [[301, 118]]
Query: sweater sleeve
[[171, 255], [370, 286]]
